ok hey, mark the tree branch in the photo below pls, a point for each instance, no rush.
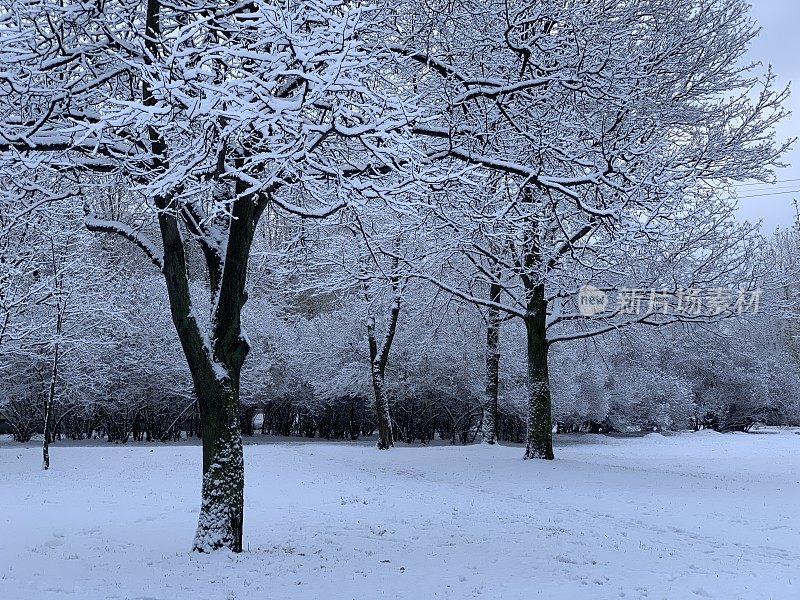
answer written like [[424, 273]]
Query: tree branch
[[126, 231]]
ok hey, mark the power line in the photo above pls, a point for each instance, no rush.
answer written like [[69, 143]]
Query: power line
[[765, 183], [768, 194], [774, 190]]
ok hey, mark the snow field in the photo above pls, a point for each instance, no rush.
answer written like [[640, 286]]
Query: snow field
[[685, 516]]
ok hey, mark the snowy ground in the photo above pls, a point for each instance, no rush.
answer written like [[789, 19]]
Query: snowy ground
[[685, 516]]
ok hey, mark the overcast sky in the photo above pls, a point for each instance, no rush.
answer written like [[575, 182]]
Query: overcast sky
[[779, 46]]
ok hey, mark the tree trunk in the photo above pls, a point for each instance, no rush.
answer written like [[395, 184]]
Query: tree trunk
[[50, 398], [385, 438], [222, 508], [215, 374], [490, 406], [539, 438], [48, 413], [378, 361]]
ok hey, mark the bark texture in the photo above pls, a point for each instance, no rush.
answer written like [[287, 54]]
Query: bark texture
[[222, 508]]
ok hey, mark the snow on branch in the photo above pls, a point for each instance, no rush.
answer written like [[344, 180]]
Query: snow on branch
[[126, 231]]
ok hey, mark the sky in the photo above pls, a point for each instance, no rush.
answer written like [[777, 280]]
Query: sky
[[779, 46]]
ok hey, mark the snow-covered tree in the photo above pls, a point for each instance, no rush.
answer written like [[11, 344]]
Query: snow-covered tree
[[611, 125], [201, 115]]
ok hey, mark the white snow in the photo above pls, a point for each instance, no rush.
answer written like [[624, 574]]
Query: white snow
[[686, 516]]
